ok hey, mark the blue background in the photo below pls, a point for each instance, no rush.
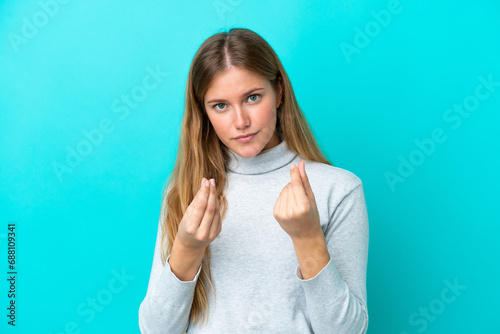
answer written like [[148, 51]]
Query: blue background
[[368, 108]]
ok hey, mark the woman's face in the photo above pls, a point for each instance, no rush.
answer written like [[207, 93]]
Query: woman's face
[[239, 102]]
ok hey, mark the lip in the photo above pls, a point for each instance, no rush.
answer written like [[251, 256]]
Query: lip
[[245, 139]]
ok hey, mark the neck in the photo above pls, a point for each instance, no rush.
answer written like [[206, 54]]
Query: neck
[[266, 161]]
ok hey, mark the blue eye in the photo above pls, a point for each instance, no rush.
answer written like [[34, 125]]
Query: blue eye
[[218, 104], [254, 95], [249, 97]]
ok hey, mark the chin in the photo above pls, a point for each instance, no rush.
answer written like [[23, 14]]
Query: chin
[[249, 151]]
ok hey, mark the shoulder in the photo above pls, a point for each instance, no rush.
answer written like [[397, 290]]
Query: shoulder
[[335, 181], [336, 175], [333, 186]]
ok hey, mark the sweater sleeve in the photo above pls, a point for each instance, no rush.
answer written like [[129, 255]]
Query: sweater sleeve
[[167, 304], [336, 296]]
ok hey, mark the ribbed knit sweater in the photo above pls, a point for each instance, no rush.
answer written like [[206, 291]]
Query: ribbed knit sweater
[[254, 268]]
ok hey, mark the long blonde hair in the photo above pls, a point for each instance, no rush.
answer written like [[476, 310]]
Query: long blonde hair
[[201, 153]]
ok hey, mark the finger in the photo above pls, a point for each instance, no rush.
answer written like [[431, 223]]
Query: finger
[[297, 185], [291, 202], [219, 219], [218, 215], [215, 228], [305, 180], [209, 211], [216, 222], [286, 204], [198, 205]]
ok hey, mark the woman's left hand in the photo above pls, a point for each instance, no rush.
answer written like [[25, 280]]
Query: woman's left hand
[[295, 209]]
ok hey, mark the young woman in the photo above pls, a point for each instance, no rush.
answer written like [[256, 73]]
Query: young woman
[[258, 232]]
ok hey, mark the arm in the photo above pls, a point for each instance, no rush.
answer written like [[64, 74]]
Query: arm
[[336, 292], [312, 255], [167, 304]]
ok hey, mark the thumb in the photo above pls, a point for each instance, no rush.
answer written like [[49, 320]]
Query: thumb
[[305, 182]]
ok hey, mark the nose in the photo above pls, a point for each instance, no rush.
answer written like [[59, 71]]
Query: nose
[[241, 119]]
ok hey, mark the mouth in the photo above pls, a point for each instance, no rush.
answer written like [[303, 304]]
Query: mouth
[[247, 138]]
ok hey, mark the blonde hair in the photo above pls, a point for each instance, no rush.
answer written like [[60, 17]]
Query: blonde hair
[[202, 154]]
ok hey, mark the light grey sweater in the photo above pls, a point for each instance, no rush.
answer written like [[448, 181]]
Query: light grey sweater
[[254, 267]]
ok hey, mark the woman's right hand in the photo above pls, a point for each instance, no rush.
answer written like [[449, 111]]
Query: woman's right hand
[[201, 222]]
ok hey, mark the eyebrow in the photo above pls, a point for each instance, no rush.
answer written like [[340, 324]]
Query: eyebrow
[[243, 95]]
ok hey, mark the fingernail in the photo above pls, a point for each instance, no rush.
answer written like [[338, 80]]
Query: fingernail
[[207, 183], [213, 182], [202, 182], [292, 167]]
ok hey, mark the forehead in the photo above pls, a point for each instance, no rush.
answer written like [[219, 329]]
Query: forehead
[[234, 82]]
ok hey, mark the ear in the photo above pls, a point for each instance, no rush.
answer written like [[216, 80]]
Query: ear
[[280, 92]]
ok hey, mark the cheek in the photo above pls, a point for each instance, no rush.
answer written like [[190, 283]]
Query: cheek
[[267, 114], [220, 125]]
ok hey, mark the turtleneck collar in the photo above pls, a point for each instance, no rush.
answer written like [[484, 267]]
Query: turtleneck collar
[[267, 161]]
